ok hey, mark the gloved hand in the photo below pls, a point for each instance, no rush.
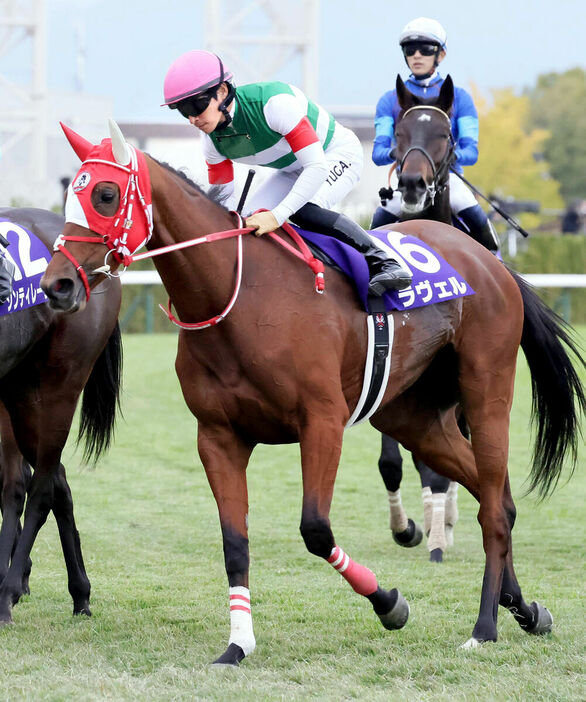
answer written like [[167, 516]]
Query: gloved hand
[[263, 222]]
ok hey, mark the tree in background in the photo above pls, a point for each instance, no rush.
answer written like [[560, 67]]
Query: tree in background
[[558, 104], [510, 163]]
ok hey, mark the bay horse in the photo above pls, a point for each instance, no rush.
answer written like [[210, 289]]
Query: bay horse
[[423, 153], [47, 360], [273, 362]]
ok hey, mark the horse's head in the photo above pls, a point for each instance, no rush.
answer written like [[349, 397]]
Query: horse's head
[[108, 216], [424, 146]]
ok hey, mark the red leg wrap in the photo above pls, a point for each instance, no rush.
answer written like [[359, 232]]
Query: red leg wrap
[[362, 580]]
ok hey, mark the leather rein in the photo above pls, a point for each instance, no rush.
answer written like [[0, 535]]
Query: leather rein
[[302, 252]]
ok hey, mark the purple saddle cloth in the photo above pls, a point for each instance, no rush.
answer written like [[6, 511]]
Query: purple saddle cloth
[[434, 280], [30, 257]]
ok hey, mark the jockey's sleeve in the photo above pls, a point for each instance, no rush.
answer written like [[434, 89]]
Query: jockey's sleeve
[[220, 173], [384, 126], [467, 125], [287, 116]]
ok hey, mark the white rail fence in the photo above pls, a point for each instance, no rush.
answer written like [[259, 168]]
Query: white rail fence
[[564, 281], [539, 280]]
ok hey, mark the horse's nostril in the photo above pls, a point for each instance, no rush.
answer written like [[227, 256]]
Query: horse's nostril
[[62, 287]]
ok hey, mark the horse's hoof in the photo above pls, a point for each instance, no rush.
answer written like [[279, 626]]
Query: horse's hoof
[[412, 535], [472, 643], [543, 620], [231, 656], [85, 610], [5, 615], [397, 616], [436, 555]]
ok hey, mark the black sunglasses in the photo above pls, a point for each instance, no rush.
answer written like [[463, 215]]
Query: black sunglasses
[[193, 106], [423, 48]]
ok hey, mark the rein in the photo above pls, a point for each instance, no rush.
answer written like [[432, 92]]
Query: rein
[[302, 252]]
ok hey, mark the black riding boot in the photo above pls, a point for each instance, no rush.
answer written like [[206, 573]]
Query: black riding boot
[[479, 227], [385, 273]]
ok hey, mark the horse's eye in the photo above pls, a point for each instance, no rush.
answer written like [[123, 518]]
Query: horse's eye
[[107, 196]]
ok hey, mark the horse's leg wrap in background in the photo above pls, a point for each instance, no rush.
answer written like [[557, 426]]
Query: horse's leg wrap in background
[[451, 516], [399, 520], [427, 509], [241, 632], [437, 533]]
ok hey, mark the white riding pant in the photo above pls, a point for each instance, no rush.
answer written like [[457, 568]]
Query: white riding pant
[[345, 160], [461, 197]]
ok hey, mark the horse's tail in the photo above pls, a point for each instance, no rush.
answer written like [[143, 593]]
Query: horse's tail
[[558, 394], [101, 399]]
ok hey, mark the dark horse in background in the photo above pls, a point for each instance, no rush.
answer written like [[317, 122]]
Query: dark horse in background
[[46, 361], [286, 365], [424, 153]]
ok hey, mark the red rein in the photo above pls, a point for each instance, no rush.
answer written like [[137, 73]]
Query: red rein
[[303, 252]]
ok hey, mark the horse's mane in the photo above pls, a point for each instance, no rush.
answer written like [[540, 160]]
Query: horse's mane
[[212, 193]]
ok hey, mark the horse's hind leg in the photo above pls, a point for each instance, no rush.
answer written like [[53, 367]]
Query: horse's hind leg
[[533, 618], [390, 464], [78, 581], [321, 443]]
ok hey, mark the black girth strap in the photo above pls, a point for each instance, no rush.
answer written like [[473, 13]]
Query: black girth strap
[[377, 362]]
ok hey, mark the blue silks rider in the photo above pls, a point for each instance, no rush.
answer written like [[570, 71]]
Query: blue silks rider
[[315, 160], [423, 42]]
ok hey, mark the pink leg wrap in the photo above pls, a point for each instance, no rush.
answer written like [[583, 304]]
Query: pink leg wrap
[[362, 580]]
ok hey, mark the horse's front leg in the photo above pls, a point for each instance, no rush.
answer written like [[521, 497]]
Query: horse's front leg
[[39, 501], [321, 444], [15, 474], [225, 458], [78, 581]]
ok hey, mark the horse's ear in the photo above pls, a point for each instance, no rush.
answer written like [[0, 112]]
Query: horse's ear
[[446, 94], [81, 146], [120, 149], [405, 97]]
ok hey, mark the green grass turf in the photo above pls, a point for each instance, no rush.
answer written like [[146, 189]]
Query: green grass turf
[[152, 547]]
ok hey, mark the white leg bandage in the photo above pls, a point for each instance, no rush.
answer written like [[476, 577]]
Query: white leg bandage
[[437, 534], [399, 519], [241, 632], [451, 512], [427, 509]]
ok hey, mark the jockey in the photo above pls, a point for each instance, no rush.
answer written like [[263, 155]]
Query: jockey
[[317, 160], [423, 42]]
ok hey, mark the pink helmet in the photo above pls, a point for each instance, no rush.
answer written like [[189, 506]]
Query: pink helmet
[[192, 73]]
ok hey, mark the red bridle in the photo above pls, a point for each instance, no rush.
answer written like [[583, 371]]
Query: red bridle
[[304, 253]]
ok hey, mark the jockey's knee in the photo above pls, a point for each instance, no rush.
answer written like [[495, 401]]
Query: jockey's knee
[[317, 536], [382, 217], [480, 228]]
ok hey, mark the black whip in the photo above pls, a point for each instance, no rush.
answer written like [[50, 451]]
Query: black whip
[[245, 190], [496, 208]]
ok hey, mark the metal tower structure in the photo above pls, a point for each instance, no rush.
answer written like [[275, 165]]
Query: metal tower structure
[[23, 93], [267, 40]]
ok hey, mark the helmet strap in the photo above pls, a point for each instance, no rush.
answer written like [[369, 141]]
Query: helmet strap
[[223, 107]]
